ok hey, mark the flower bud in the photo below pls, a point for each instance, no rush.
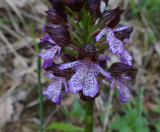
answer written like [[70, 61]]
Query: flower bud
[[55, 17], [124, 34], [57, 5], [59, 35], [111, 18], [88, 52], [96, 7], [75, 5], [118, 68]]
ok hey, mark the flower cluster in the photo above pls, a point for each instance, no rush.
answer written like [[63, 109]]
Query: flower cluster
[[83, 32]]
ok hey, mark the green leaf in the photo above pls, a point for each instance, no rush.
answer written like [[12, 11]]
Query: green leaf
[[75, 26], [72, 52], [118, 124], [101, 40], [141, 129], [157, 110], [64, 127], [76, 42], [125, 129], [157, 127], [76, 36]]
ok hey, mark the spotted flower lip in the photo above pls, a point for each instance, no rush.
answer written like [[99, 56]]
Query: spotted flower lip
[[85, 77], [123, 90], [53, 91], [75, 5], [116, 70], [116, 45], [111, 18]]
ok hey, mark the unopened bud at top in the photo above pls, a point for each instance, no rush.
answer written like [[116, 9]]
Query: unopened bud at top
[[57, 5], [96, 7], [111, 18], [75, 5], [56, 17]]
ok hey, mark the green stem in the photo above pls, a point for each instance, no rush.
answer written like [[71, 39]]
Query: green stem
[[38, 77], [89, 116], [40, 93]]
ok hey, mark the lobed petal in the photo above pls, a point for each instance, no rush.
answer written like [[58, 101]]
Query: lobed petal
[[50, 53], [65, 85], [53, 91], [122, 99], [76, 81], [69, 65], [99, 36], [102, 71], [47, 63], [115, 44], [126, 58], [90, 85], [112, 84], [120, 28], [126, 78], [123, 89], [50, 75]]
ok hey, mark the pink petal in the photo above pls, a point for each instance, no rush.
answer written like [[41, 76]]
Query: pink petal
[[112, 84], [47, 63], [126, 58], [102, 71], [69, 65], [50, 75], [121, 28], [65, 84], [76, 81], [47, 38], [126, 78], [59, 51], [123, 89], [50, 53], [115, 44], [99, 36], [53, 91], [90, 85]]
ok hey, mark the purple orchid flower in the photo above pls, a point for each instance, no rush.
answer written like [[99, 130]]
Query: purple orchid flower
[[116, 45], [117, 69], [49, 54], [53, 91], [123, 90], [85, 77]]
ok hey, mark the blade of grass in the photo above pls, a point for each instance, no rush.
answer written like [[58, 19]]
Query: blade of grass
[[38, 77]]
